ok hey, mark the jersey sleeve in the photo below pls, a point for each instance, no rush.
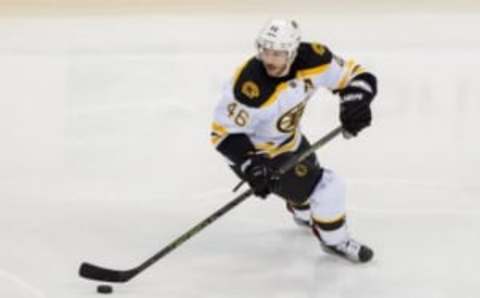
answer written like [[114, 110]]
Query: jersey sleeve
[[325, 69], [233, 125], [230, 117], [345, 72]]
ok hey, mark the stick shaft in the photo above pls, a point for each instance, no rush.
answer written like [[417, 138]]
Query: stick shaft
[[94, 272], [289, 164], [196, 229]]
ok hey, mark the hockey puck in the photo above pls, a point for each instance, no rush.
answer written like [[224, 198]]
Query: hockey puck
[[104, 289]]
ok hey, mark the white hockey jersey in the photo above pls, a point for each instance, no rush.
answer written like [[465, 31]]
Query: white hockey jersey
[[268, 110]]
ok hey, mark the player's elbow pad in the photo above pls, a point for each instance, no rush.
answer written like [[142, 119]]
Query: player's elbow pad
[[236, 147]]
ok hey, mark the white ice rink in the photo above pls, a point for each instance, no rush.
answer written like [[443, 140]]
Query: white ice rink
[[105, 157]]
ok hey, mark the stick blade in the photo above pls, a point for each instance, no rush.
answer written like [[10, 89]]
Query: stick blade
[[94, 272]]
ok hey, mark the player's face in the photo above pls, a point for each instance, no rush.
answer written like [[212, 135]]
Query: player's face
[[275, 62]]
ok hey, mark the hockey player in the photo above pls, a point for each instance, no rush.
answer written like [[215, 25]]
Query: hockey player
[[257, 127]]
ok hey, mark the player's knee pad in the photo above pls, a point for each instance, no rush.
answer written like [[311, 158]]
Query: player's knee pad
[[328, 200], [328, 206]]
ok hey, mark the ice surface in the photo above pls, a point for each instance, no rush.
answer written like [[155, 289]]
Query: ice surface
[[105, 157]]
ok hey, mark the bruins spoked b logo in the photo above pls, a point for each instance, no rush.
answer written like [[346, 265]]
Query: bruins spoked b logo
[[289, 121], [318, 48], [250, 90], [301, 170]]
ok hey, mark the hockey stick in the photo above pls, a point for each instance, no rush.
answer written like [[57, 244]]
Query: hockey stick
[[94, 272]]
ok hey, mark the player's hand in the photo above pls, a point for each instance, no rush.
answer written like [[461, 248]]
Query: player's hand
[[355, 116], [355, 99], [258, 175]]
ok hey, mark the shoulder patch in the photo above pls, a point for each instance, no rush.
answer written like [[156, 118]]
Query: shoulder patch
[[253, 87], [319, 49], [250, 89], [312, 58]]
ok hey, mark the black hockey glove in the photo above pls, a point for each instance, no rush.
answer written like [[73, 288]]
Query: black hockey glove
[[258, 175], [355, 99]]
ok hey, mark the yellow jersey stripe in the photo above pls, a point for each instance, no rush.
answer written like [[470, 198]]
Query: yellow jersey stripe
[[351, 70], [312, 71], [218, 133], [273, 151], [238, 72], [346, 77], [218, 128], [358, 70], [215, 139]]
